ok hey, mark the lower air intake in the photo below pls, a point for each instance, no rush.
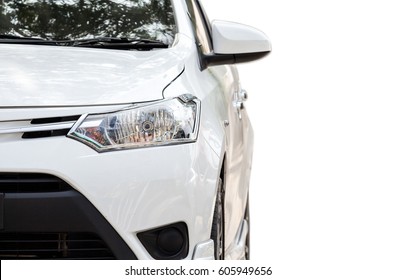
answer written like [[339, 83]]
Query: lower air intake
[[30, 183], [53, 246]]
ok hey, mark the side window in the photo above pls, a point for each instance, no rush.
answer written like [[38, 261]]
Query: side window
[[202, 27]]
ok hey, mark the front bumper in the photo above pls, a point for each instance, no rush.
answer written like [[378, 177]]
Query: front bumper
[[60, 224], [133, 191]]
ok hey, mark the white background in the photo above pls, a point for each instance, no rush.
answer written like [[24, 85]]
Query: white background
[[322, 106]]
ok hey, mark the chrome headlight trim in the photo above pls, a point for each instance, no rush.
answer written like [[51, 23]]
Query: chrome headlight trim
[[166, 122]]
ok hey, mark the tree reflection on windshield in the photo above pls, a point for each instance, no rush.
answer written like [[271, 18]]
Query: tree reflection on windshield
[[81, 19]]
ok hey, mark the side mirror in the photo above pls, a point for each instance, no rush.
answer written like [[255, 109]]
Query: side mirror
[[236, 43]]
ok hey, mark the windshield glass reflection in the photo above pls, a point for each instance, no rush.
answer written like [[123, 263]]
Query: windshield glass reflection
[[84, 19]]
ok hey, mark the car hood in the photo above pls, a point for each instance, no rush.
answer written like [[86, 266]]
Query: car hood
[[46, 76]]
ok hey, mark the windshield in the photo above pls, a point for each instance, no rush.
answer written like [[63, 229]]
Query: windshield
[[85, 19]]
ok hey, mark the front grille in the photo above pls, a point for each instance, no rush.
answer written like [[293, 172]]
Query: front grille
[[51, 132], [30, 183], [37, 128], [53, 246], [54, 120], [43, 134]]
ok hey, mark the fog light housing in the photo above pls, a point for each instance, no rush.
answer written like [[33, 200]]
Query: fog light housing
[[166, 243]]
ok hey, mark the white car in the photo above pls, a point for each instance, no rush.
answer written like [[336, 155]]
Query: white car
[[123, 133]]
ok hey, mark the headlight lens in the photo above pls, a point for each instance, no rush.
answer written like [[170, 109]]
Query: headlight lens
[[172, 121]]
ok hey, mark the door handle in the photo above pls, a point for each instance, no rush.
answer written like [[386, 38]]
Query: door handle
[[238, 102]]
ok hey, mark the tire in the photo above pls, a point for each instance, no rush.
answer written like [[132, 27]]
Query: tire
[[247, 218], [218, 225]]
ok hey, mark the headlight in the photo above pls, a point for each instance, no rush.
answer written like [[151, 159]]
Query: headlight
[[171, 121]]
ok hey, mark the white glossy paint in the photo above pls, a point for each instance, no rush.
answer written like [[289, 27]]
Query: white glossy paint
[[204, 251], [238, 246], [32, 76], [236, 38]]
